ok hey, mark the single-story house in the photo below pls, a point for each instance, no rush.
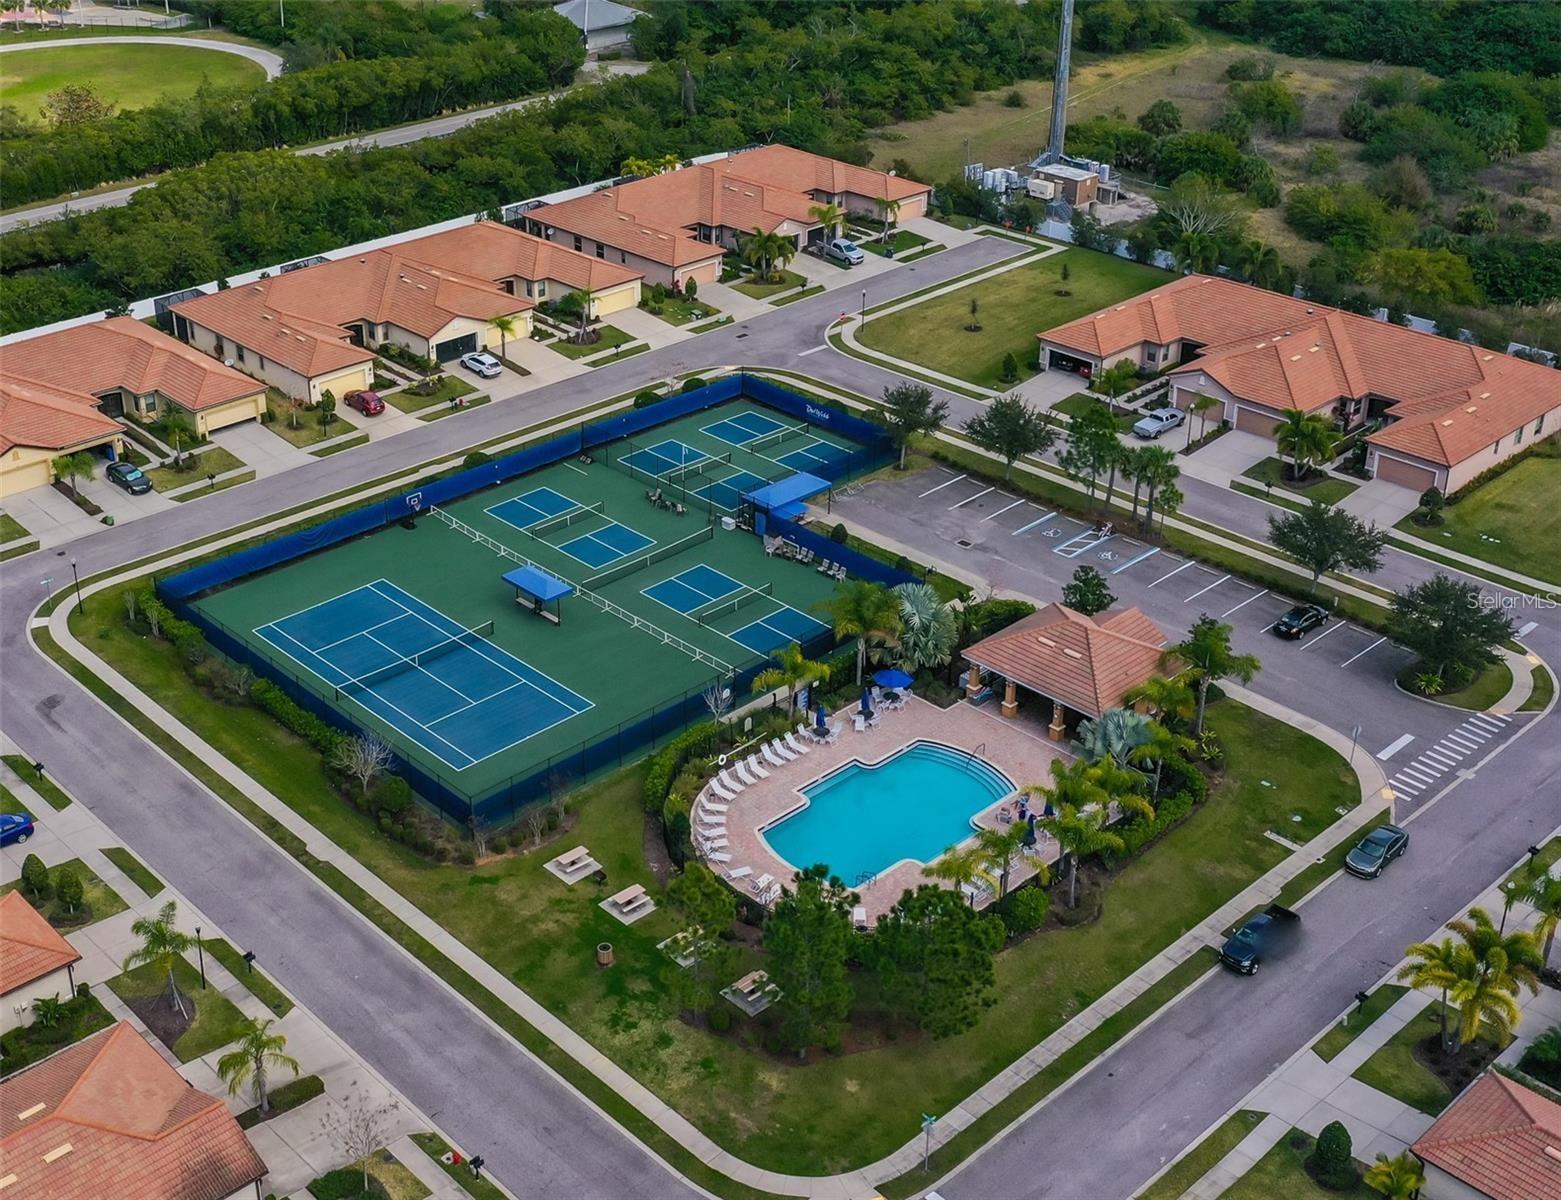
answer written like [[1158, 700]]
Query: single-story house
[[675, 226], [108, 1117], [1497, 1141], [1448, 410], [36, 962], [66, 391], [1079, 664], [602, 23]]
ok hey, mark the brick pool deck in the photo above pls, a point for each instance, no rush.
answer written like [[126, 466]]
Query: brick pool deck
[[1013, 747]]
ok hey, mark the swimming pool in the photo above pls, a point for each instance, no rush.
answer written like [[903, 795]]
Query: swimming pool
[[863, 819]]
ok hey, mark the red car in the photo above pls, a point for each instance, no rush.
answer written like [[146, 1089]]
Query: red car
[[367, 403]]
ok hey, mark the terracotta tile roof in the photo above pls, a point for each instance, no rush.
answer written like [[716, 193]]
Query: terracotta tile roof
[[121, 352], [1285, 353], [490, 250], [30, 947], [1085, 662], [299, 319], [108, 1117], [48, 418], [761, 188], [1500, 1138]]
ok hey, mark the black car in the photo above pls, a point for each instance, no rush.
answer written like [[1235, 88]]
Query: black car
[[1262, 934], [1375, 851], [1300, 621], [128, 476]]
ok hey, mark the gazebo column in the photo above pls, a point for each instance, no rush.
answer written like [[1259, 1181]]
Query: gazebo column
[[973, 682], [1011, 700], [1058, 727]]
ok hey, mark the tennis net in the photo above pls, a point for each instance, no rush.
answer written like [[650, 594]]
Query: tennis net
[[678, 475], [778, 438], [413, 662], [541, 528], [727, 605], [640, 561]]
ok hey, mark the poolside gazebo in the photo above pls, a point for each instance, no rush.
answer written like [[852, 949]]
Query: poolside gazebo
[[1078, 663]]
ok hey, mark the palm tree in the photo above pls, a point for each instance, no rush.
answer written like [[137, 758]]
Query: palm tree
[[1161, 746], [580, 300], [1080, 794], [793, 670], [1200, 405], [1195, 252], [997, 849], [829, 216], [928, 630], [257, 1052], [960, 868], [1154, 467], [1434, 967], [889, 212], [1307, 438], [763, 251], [1259, 262], [1166, 696], [1544, 895], [1513, 959], [1115, 734], [868, 612], [163, 943], [1481, 999], [505, 325], [1209, 657], [1398, 1178]]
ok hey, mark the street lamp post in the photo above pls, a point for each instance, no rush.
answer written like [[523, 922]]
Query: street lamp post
[[200, 949], [77, 578], [864, 306]]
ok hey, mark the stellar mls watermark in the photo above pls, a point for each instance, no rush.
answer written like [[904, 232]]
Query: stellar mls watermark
[[1512, 602]]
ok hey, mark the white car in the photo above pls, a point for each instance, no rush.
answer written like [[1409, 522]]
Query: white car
[[481, 363], [1154, 423], [844, 250]]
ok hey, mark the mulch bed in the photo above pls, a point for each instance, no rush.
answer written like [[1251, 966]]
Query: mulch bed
[[1458, 1068], [162, 1018]]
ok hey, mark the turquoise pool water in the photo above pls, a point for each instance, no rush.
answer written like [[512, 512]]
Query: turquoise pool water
[[915, 804]]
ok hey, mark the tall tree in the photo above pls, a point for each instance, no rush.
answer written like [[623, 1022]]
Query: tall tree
[[793, 670], [1093, 447], [71, 467], [1167, 696], [705, 908], [808, 938], [1435, 967], [829, 216], [1447, 625], [1306, 438], [928, 629], [1011, 429], [505, 325], [999, 850], [866, 611], [1088, 592], [960, 868], [163, 943], [909, 410], [932, 954], [254, 1056], [1078, 798], [1155, 468], [1323, 538], [1209, 656], [1543, 893], [1163, 745], [1200, 405]]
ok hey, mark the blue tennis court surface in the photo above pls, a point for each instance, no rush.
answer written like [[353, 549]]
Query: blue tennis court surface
[[607, 545], [536, 505], [452, 692], [811, 456], [688, 590], [780, 628], [700, 585], [663, 457], [728, 493], [741, 429]]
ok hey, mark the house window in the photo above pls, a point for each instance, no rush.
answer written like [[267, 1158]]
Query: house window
[[1154, 356], [623, 256], [240, 350], [601, 250], [579, 245], [217, 347], [1539, 424], [529, 287], [1517, 436], [541, 289], [1496, 446], [262, 358]]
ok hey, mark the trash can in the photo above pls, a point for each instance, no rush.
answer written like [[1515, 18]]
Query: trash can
[[604, 954]]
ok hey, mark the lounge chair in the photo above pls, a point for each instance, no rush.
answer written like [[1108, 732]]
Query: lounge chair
[[836, 728], [719, 856], [720, 790], [739, 873], [743, 773], [712, 829], [859, 918], [823, 567], [711, 807], [781, 749], [713, 842], [796, 746], [775, 760], [757, 767], [859, 722], [731, 785], [761, 884]]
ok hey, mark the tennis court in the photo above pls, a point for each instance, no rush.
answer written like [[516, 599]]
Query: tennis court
[[446, 687], [707, 596]]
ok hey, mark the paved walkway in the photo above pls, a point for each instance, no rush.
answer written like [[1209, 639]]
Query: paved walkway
[[268, 61], [1522, 682]]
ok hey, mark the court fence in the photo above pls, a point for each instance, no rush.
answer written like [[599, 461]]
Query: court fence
[[499, 803]]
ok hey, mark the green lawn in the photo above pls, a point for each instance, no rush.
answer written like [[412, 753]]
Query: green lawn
[[13, 804], [436, 1148], [1076, 405], [1513, 521], [10, 528], [128, 76], [542, 935], [448, 388], [394, 1180], [902, 241], [295, 1093], [1326, 489], [98, 899], [679, 310], [1012, 308], [1281, 1172], [1200, 1160], [1544, 689], [256, 981], [134, 869], [42, 784], [217, 1019], [1356, 1021], [216, 460], [1393, 1069], [608, 337], [784, 282], [84, 1016], [806, 293], [1484, 690], [308, 429]]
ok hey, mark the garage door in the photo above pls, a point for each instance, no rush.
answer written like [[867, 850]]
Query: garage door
[[1396, 470], [1253, 420], [455, 347]]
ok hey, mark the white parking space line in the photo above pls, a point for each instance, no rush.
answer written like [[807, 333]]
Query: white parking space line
[[1001, 511], [815, 350], [1367, 650], [968, 499], [1034, 523], [1310, 642], [1210, 588], [1149, 553], [1168, 574], [941, 486], [1244, 603], [1393, 748]]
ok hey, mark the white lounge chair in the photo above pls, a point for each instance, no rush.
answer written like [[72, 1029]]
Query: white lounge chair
[[739, 872], [761, 884], [859, 722], [775, 760], [743, 773], [836, 728], [720, 790], [712, 830], [859, 918], [711, 806], [719, 856], [733, 785], [716, 842], [796, 746], [782, 749], [757, 767]]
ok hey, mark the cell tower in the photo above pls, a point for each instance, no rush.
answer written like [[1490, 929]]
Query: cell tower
[[1059, 126]]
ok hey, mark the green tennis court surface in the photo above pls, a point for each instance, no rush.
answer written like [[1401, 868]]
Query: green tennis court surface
[[413, 633]]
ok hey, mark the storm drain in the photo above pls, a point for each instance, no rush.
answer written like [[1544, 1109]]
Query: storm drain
[[965, 543]]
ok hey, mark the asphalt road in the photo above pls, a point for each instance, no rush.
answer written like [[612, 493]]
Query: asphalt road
[[401, 135], [538, 1136]]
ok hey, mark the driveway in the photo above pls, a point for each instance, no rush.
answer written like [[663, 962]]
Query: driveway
[[1380, 501], [1227, 455]]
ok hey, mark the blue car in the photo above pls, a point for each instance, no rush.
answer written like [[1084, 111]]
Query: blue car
[[15, 827]]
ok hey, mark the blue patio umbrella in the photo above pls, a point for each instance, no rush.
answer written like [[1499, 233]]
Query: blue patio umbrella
[[867, 703], [892, 677], [821, 724]]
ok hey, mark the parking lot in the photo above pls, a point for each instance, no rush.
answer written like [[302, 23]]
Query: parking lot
[[1341, 673]]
